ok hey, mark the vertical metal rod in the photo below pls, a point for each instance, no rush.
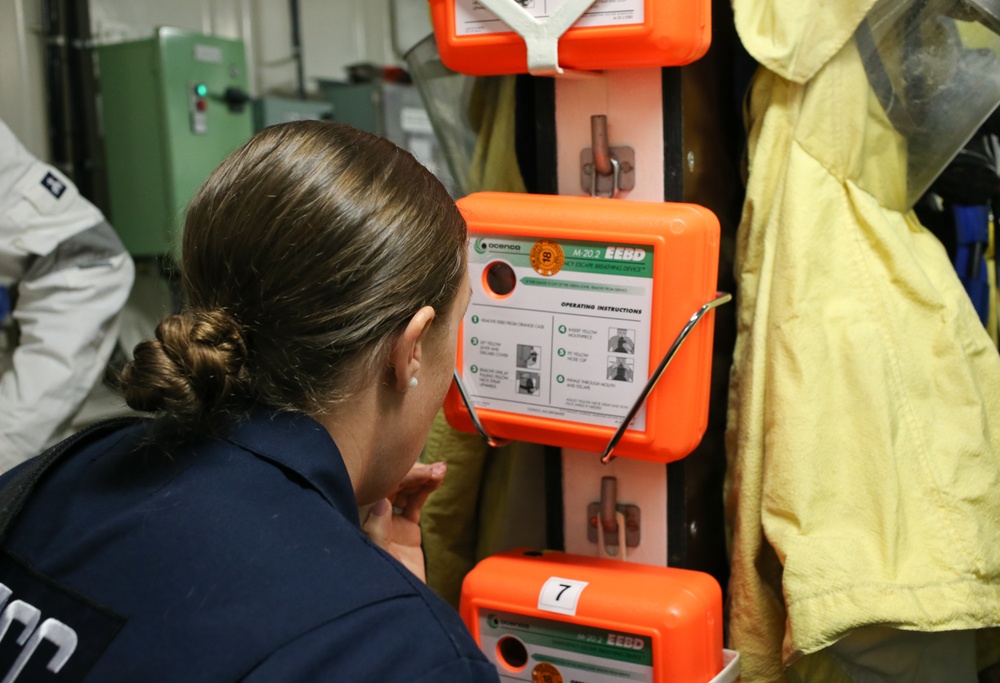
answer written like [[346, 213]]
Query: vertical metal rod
[[609, 504], [473, 415], [599, 143], [300, 78], [57, 85]]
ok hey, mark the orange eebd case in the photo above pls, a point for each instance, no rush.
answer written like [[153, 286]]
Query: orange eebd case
[[575, 302], [557, 617], [613, 34]]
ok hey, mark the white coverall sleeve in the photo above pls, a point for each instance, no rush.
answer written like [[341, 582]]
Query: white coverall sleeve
[[72, 276]]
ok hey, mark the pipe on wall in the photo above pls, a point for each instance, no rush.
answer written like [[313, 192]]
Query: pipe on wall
[[300, 78], [57, 86], [71, 93]]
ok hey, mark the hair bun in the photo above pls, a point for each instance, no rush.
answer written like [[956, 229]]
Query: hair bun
[[194, 367]]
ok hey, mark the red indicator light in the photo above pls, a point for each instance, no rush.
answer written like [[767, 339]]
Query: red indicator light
[[200, 105]]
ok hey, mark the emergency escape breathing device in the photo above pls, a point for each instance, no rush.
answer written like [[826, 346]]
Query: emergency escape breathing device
[[580, 307], [576, 302]]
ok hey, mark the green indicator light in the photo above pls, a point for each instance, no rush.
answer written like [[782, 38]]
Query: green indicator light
[[201, 89]]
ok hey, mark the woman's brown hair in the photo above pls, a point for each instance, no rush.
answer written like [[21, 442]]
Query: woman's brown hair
[[304, 255]]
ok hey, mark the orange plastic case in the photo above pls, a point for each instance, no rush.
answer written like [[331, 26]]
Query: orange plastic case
[[614, 34], [558, 617], [599, 290]]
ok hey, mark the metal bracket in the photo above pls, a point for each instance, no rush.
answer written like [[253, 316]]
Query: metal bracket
[[625, 156], [605, 170], [604, 516], [631, 513]]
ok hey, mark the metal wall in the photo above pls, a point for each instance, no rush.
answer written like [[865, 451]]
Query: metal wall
[[22, 95], [335, 33]]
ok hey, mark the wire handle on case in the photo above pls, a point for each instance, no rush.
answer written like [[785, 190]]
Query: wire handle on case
[[606, 457], [720, 298], [490, 441]]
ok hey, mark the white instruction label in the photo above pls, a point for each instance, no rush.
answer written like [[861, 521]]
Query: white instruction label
[[471, 18], [208, 53], [558, 328]]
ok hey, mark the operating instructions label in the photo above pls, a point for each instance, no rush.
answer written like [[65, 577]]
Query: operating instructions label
[[558, 328], [471, 18], [532, 649]]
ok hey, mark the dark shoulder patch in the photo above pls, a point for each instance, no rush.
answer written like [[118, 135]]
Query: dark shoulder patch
[[55, 186], [47, 631]]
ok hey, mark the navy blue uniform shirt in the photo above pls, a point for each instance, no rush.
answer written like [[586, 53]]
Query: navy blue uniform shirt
[[237, 559]]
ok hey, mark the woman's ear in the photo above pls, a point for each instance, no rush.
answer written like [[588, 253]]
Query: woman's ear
[[408, 349]]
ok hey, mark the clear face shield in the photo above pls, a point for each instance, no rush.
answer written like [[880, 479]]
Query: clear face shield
[[448, 97], [935, 67]]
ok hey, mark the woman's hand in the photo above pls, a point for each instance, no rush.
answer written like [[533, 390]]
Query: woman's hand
[[393, 523]]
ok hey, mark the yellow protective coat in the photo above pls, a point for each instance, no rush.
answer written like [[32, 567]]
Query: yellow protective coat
[[864, 428]]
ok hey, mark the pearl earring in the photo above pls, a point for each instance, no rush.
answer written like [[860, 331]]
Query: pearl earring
[[413, 382]]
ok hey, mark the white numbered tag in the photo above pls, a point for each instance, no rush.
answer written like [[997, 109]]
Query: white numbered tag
[[560, 595]]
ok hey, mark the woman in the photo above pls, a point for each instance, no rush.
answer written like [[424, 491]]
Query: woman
[[325, 277]]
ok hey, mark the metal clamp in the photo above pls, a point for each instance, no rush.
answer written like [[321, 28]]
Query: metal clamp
[[615, 179], [720, 298]]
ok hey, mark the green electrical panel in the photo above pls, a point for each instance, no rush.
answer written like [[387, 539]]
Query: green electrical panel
[[173, 107]]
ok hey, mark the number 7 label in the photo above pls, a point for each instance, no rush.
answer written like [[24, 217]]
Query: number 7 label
[[560, 595]]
